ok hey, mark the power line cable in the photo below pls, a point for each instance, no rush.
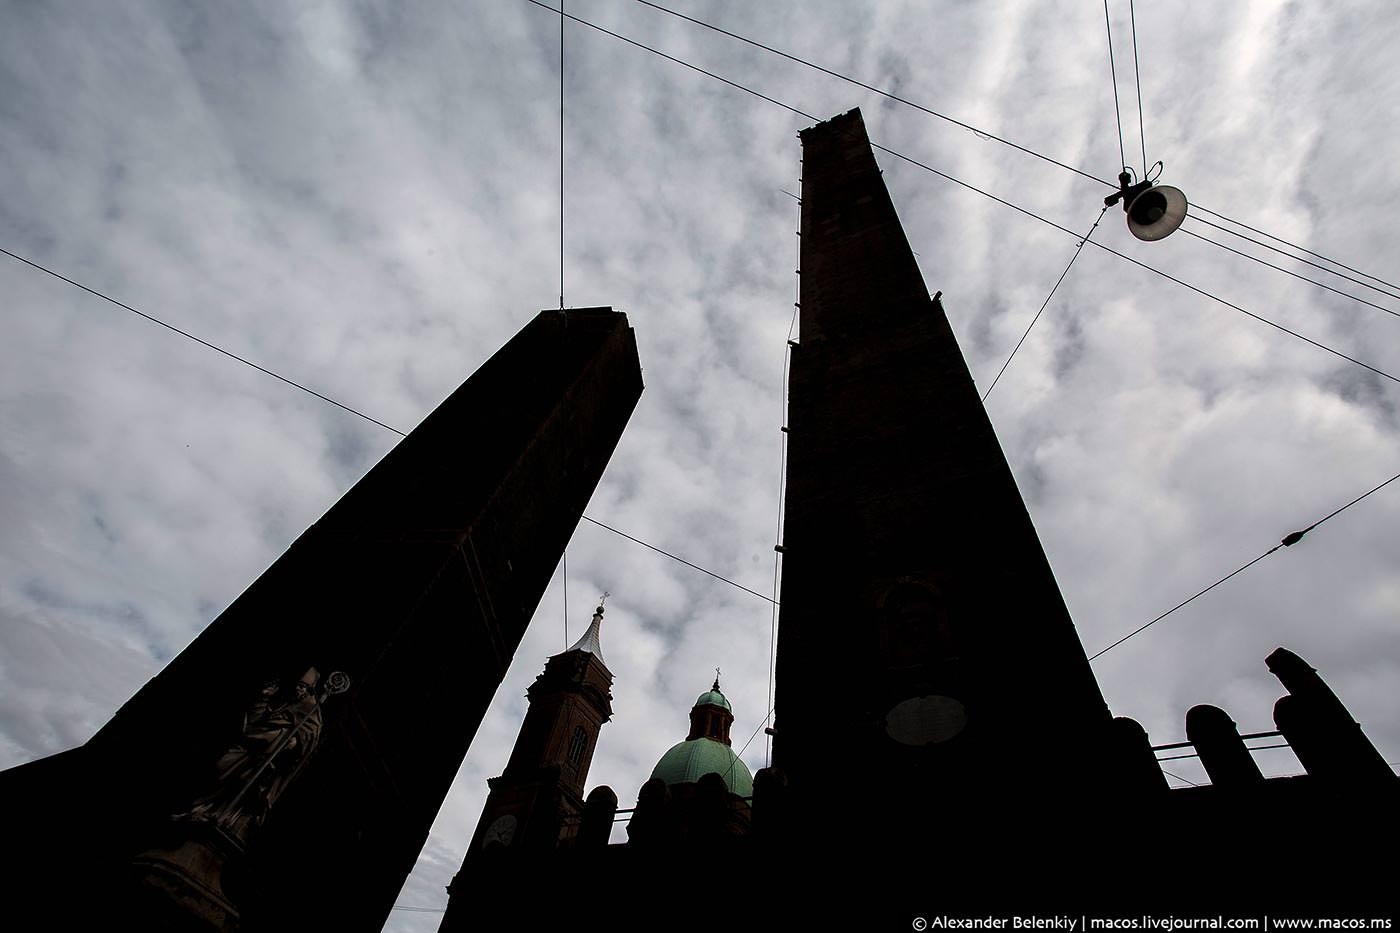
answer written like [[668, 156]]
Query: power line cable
[[1137, 76], [973, 129], [1148, 625], [1079, 249], [1240, 223], [1137, 262], [1263, 320], [204, 343], [1291, 539], [1297, 536], [738, 757], [875, 90], [1296, 275], [1113, 74], [1283, 252], [340, 405], [755, 735], [929, 168], [672, 58], [680, 559]]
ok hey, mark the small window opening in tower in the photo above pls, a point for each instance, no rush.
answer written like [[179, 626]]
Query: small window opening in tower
[[577, 744]]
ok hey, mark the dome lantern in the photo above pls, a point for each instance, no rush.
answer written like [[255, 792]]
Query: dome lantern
[[706, 750]]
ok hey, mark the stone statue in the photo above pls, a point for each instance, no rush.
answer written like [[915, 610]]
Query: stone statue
[[280, 730]]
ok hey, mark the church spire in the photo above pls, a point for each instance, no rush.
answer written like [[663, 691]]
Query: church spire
[[536, 804], [589, 641]]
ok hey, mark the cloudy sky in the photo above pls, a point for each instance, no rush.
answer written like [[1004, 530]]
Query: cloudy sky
[[364, 197]]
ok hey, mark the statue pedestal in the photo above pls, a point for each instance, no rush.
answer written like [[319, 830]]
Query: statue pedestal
[[183, 884]]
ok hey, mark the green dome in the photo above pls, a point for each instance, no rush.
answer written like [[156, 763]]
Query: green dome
[[689, 761], [713, 698]]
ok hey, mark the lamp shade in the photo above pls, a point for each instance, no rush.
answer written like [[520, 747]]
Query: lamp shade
[[1156, 212]]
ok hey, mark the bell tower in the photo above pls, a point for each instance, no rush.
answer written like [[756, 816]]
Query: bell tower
[[535, 805]]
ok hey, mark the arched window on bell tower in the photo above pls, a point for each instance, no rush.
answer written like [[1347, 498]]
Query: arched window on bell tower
[[577, 744]]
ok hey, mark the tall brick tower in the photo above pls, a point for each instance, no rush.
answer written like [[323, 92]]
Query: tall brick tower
[[922, 632], [283, 771]]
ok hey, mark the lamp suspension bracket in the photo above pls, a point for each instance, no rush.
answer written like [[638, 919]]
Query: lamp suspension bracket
[[1154, 211]]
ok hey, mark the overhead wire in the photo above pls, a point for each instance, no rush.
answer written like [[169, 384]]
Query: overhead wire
[[969, 187], [967, 126], [1079, 249], [738, 757], [1113, 74], [204, 343], [671, 58], [1263, 320], [1240, 223], [1137, 77], [1283, 252], [1296, 536], [681, 560], [753, 736], [1184, 602], [888, 95], [1137, 262], [341, 405], [1288, 541], [1296, 275]]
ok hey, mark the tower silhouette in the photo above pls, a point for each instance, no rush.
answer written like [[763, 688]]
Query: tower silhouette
[[283, 771], [912, 575]]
